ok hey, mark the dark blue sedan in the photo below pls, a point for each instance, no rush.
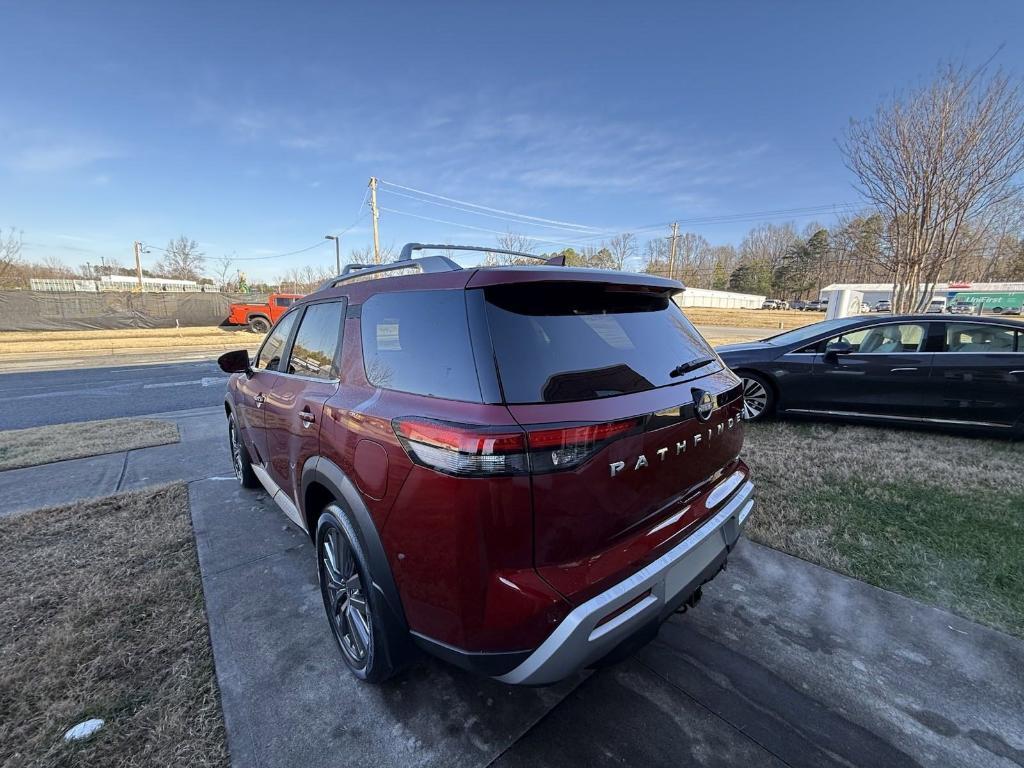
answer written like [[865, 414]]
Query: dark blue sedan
[[897, 369]]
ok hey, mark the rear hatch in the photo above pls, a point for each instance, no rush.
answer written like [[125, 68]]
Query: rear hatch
[[605, 378]]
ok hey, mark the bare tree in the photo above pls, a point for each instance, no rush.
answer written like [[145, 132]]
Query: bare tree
[[10, 253], [623, 248], [933, 160], [224, 272], [182, 260], [511, 241]]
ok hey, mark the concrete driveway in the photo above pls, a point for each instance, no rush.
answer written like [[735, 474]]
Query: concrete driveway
[[783, 663]]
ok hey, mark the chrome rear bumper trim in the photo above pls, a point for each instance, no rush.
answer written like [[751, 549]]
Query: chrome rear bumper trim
[[579, 640]]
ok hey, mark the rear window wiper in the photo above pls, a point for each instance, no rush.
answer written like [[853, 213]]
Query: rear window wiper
[[693, 365]]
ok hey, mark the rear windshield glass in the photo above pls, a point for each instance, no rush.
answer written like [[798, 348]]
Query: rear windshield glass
[[556, 342], [418, 341]]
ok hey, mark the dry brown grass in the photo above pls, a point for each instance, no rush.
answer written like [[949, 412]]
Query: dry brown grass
[[134, 339], [59, 442], [778, 320], [102, 615], [935, 517]]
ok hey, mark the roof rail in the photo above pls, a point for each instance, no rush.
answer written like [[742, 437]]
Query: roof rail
[[426, 264], [408, 248]]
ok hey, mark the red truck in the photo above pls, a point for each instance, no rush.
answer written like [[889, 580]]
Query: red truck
[[259, 317]]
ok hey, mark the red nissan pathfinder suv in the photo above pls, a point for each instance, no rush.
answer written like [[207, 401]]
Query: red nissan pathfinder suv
[[523, 470]]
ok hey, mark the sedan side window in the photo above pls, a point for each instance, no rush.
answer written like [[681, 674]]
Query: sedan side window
[[269, 356], [883, 339], [980, 338]]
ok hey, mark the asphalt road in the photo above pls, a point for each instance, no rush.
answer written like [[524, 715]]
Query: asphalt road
[[84, 394]]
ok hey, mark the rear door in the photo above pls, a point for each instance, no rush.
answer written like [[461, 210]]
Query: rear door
[[886, 374], [604, 379], [981, 373], [253, 390], [294, 406]]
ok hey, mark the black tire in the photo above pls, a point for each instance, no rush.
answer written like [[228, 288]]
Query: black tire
[[758, 396], [240, 456], [259, 325], [352, 606]]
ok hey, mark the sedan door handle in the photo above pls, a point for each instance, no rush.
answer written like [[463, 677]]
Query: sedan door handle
[[260, 399], [901, 370], [1016, 373], [306, 417]]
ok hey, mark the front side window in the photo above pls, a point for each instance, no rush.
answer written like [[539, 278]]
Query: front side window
[[314, 351], [418, 342], [883, 339], [979, 337], [557, 342], [269, 357]]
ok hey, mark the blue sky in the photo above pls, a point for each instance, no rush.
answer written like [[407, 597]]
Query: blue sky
[[253, 127]]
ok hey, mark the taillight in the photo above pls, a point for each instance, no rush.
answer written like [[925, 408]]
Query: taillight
[[463, 449], [567, 447], [477, 451]]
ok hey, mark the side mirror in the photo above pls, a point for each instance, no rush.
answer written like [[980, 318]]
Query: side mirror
[[236, 361], [836, 348]]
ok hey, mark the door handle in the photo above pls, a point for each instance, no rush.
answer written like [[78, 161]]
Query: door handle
[[901, 370], [1016, 373], [260, 399], [307, 418]]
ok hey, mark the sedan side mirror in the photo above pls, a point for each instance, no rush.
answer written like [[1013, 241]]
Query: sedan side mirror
[[836, 348], [236, 361]]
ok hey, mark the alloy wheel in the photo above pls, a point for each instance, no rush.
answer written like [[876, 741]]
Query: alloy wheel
[[755, 399], [345, 598]]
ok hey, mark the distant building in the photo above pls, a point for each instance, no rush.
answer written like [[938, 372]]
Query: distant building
[[989, 295], [705, 297]]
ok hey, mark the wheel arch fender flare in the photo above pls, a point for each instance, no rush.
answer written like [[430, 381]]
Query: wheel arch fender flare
[[252, 315], [317, 469]]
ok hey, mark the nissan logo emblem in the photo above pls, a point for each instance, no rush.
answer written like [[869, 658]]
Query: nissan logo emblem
[[704, 404]]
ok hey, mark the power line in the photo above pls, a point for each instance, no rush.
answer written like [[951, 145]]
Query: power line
[[566, 224], [470, 226], [480, 213]]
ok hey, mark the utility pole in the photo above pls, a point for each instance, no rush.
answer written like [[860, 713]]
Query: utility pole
[[337, 251], [138, 262], [376, 215], [672, 250]]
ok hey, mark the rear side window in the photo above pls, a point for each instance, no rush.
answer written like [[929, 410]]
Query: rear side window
[[418, 342], [284, 302], [556, 342], [315, 348], [978, 337]]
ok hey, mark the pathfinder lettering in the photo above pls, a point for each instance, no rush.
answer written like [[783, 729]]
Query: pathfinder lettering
[[695, 440]]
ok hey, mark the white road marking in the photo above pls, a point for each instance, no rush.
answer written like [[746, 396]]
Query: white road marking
[[206, 381]]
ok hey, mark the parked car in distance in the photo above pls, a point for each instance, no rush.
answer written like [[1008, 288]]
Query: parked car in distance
[[522, 470], [909, 369], [798, 304], [259, 317], [883, 305], [935, 306], [769, 304], [960, 308], [817, 305], [1012, 310]]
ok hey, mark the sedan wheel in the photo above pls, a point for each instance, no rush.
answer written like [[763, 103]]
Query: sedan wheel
[[755, 399], [345, 597]]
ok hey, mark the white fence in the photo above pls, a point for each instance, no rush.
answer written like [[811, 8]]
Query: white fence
[[705, 297], [121, 284]]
